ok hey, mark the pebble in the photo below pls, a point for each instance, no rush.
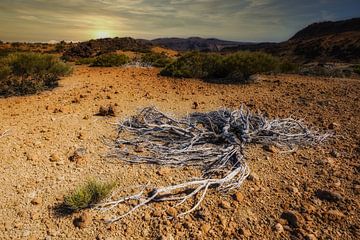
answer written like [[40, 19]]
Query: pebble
[[172, 212], [270, 148], [54, 158], [328, 195], [83, 221], [225, 204], [239, 196], [293, 218], [253, 177], [245, 232], [279, 228], [335, 215], [205, 228], [36, 201], [310, 237]]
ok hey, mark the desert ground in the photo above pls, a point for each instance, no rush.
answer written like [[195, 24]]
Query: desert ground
[[311, 193]]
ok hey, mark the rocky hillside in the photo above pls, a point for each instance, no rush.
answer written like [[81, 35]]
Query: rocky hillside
[[195, 43], [326, 41]]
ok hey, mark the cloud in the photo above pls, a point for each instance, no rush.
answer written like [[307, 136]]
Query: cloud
[[246, 20]]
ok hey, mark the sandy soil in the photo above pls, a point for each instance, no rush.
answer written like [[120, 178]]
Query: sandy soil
[[45, 129]]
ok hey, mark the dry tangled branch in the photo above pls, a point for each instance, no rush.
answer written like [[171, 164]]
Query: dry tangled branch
[[212, 141], [5, 133]]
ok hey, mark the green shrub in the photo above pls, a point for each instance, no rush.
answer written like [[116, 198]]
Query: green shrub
[[237, 67], [90, 193], [155, 59], [356, 69], [110, 60], [244, 64], [195, 65], [26, 73], [85, 61]]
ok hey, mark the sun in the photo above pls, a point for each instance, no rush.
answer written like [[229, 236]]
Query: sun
[[102, 34]]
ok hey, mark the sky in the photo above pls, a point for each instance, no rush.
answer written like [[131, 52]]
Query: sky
[[240, 20]]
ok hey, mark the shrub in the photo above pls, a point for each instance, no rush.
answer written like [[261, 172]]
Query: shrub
[[90, 193], [155, 59], [244, 64], [237, 67], [195, 64], [26, 73], [85, 61], [110, 60]]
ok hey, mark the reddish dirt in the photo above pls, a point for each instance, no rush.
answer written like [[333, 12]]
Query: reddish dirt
[[45, 129]]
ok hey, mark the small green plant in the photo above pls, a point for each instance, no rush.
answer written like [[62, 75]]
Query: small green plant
[[110, 60], [155, 59], [356, 69], [85, 61], [90, 193], [27, 73]]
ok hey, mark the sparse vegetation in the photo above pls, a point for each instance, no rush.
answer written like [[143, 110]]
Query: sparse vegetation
[[90, 193], [85, 61], [110, 60], [237, 67], [156, 59], [28, 73], [357, 69]]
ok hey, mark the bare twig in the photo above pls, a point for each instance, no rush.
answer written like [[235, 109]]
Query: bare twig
[[5, 133], [213, 141]]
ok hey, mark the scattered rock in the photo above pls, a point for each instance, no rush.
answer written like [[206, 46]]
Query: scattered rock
[[54, 158], [310, 237], [36, 201], [334, 126], [225, 204], [253, 177], [83, 221], [278, 228], [238, 196], [335, 215], [172, 212], [78, 156], [271, 148], [328, 195], [195, 105], [244, 232], [205, 228], [293, 218], [147, 216], [106, 111]]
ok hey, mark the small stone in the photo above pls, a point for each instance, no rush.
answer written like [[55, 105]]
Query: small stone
[[147, 216], [239, 196], [36, 201], [83, 221], [253, 177], [54, 158], [172, 212], [279, 228], [335, 153], [245, 232], [225, 204], [328, 195], [335, 215], [310, 237], [205, 228], [271, 148], [293, 218], [334, 126]]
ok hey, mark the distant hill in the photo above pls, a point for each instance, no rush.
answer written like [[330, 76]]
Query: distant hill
[[195, 43], [324, 41]]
